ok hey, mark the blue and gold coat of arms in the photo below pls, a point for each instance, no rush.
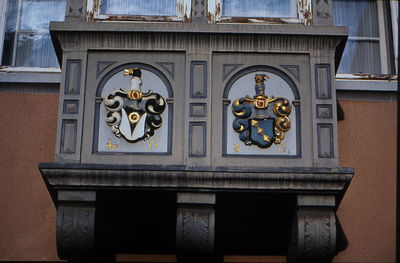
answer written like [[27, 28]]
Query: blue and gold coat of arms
[[261, 120]]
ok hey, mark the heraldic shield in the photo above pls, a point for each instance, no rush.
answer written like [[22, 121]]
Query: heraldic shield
[[132, 114], [256, 122]]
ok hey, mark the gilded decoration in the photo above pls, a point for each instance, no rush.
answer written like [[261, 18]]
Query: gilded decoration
[[261, 120], [131, 113]]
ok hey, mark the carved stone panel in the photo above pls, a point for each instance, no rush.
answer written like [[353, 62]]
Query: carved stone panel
[[323, 82], [322, 12], [198, 110], [134, 116], [70, 106], [324, 111], [75, 9], [76, 224], [261, 106], [325, 140], [75, 231], [68, 136], [195, 226], [73, 77], [197, 139], [265, 109], [133, 107], [198, 79], [199, 11], [72, 90]]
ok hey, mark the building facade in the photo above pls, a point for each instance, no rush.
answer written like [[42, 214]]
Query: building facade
[[199, 131]]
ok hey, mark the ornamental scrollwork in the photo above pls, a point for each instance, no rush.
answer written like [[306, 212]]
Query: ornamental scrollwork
[[132, 114], [261, 120]]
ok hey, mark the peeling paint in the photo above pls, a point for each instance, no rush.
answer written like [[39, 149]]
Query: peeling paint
[[139, 18], [253, 20], [10, 69], [93, 13], [305, 12], [186, 19], [184, 13], [211, 4], [91, 10], [304, 15], [180, 9], [388, 77], [89, 16], [96, 7], [214, 14], [210, 17], [218, 10]]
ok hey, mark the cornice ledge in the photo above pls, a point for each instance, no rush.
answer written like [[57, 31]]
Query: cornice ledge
[[176, 27], [333, 181]]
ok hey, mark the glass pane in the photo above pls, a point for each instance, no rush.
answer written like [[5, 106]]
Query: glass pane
[[35, 50], [9, 36], [138, 7], [260, 8], [359, 15], [27, 41], [361, 57], [36, 15]]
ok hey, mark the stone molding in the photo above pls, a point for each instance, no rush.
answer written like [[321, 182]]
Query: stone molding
[[186, 37], [289, 180]]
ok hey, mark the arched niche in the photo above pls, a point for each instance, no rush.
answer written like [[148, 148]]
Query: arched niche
[[105, 141], [277, 84]]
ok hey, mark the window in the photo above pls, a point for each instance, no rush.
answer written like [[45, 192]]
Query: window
[[27, 42], [291, 11], [367, 46], [258, 8], [169, 10], [138, 7]]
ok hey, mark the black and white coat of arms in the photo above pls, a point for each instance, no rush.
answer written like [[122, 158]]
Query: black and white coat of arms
[[132, 114]]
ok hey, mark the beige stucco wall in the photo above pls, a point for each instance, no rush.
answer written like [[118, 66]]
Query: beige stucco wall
[[27, 214], [367, 142]]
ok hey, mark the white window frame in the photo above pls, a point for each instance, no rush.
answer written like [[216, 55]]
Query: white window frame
[[394, 8], [183, 11], [3, 15], [304, 14], [3, 23], [374, 79]]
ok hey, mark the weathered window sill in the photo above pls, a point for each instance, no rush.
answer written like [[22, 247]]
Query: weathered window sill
[[30, 75], [364, 82]]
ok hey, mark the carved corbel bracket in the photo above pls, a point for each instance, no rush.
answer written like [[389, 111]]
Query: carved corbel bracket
[[75, 10], [313, 236], [199, 11], [322, 12], [75, 224], [195, 227]]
